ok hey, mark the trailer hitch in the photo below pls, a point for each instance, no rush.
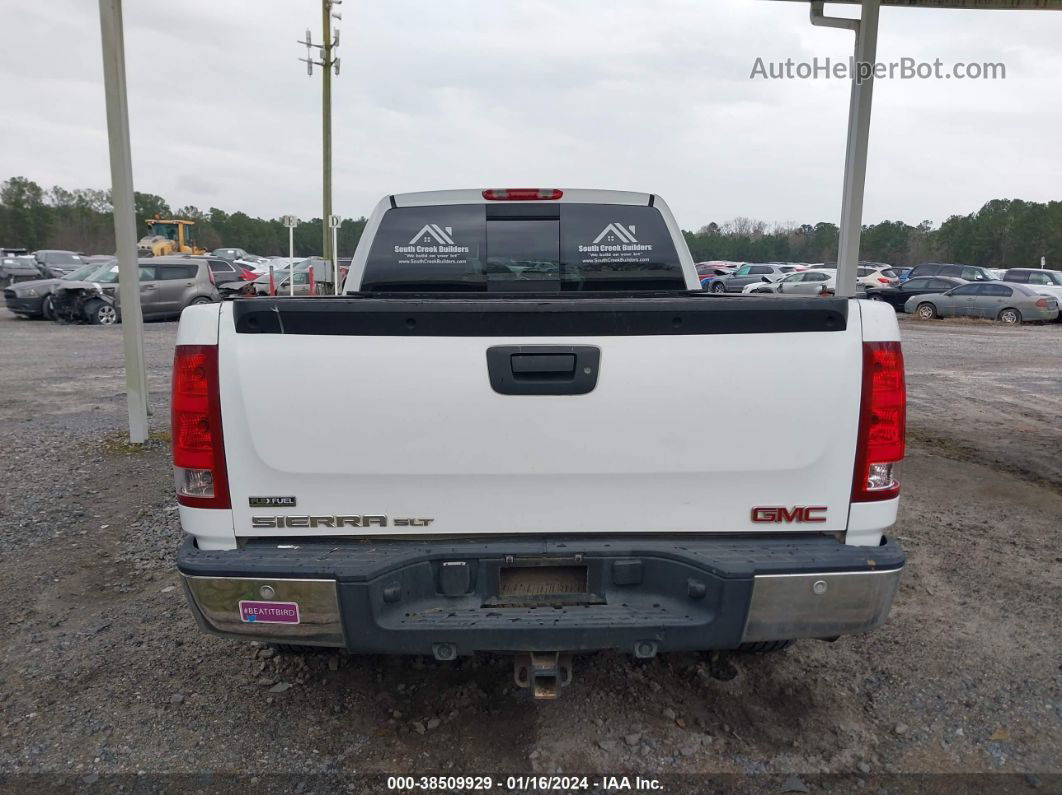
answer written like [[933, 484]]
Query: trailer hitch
[[545, 672]]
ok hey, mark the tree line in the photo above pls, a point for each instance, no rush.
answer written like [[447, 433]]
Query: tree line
[[1003, 233], [83, 220]]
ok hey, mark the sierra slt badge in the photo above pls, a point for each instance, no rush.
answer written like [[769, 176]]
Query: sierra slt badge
[[266, 502], [780, 514], [337, 521]]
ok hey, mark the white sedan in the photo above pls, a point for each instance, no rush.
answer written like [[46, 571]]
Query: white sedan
[[809, 282]]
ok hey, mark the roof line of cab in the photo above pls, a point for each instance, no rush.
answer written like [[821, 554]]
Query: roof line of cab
[[475, 196]]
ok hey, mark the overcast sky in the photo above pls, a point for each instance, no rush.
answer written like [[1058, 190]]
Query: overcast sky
[[652, 95]]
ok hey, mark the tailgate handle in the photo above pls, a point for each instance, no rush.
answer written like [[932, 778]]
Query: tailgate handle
[[543, 364], [543, 369]]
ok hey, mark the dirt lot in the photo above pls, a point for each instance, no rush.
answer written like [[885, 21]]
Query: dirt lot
[[102, 670]]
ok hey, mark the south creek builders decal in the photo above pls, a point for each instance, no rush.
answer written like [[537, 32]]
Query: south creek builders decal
[[432, 245], [616, 243]]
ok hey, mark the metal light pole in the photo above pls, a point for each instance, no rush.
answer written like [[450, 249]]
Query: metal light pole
[[855, 162], [290, 221], [855, 159], [334, 221], [124, 217], [328, 63]]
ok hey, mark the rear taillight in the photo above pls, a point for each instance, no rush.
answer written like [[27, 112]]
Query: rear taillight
[[521, 194], [1041, 303], [883, 280], [882, 419], [195, 428]]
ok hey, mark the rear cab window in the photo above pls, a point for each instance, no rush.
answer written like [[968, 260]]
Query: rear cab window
[[514, 247]]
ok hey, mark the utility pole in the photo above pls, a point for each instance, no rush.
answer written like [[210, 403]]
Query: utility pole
[[113, 37], [328, 63]]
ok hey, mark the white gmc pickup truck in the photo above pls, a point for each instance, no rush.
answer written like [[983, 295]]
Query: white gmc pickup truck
[[494, 441]]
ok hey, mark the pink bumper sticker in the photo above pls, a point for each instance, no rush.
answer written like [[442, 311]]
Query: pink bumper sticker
[[269, 612]]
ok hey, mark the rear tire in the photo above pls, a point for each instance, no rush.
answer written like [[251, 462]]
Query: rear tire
[[1010, 316], [100, 313], [874, 297], [764, 646], [926, 311], [718, 287]]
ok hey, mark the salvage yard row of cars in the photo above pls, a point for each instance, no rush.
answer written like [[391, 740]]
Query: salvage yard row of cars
[[69, 286], [88, 290], [929, 290]]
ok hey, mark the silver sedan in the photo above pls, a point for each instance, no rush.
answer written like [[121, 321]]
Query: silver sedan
[[1007, 303]]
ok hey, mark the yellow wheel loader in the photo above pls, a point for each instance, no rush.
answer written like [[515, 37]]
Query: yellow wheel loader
[[168, 237]]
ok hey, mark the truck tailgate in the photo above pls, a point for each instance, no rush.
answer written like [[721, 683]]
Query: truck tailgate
[[380, 418]]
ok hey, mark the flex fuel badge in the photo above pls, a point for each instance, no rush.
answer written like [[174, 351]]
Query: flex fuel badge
[[269, 612]]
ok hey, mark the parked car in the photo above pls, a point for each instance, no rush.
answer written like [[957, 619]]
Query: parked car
[[707, 271], [57, 262], [809, 282], [34, 298], [877, 276], [224, 271], [282, 282], [746, 274], [240, 257], [229, 253], [897, 295], [167, 286], [320, 266], [1045, 282], [903, 273], [971, 273], [19, 269], [870, 274], [1007, 303]]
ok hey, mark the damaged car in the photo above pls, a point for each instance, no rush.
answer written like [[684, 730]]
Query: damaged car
[[167, 286], [34, 298]]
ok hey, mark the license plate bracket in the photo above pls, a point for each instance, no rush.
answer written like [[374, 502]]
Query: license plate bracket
[[543, 582]]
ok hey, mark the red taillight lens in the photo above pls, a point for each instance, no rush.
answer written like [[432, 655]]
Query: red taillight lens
[[521, 194], [195, 428], [883, 280], [1041, 303], [882, 422]]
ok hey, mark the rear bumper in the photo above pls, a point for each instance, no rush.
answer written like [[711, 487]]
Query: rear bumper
[[644, 595]]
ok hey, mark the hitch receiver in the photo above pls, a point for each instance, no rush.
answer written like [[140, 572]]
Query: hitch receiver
[[545, 672]]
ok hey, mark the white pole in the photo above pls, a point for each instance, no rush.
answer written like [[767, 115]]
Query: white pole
[[335, 259], [291, 260], [124, 217], [855, 161]]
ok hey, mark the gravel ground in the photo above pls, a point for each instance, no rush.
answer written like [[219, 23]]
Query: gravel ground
[[103, 672]]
